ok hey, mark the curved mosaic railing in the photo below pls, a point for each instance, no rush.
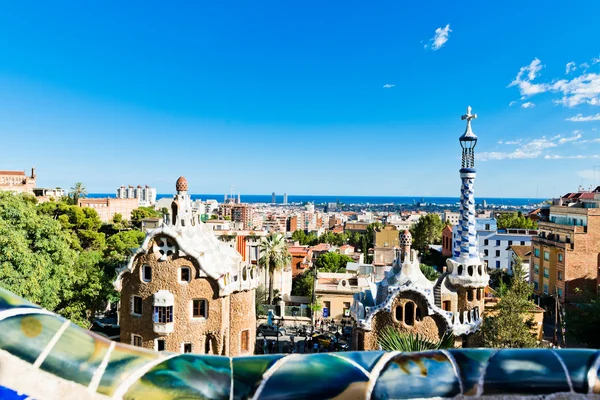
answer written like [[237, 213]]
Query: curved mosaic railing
[[43, 356]]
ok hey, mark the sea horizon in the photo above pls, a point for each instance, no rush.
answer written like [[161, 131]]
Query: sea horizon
[[324, 199]]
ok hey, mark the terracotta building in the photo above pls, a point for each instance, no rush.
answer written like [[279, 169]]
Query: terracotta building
[[565, 255], [17, 181], [408, 302], [185, 291], [301, 258], [108, 207], [447, 241]]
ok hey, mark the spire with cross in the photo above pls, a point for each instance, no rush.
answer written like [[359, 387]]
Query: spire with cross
[[468, 141]]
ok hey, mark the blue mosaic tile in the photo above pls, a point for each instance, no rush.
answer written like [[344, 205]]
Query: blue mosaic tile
[[410, 375], [9, 300], [578, 362], [185, 377], [310, 376], [248, 372], [471, 365], [9, 394], [525, 371], [365, 359]]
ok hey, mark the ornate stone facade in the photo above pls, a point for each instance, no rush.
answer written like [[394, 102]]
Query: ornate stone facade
[[185, 291], [407, 301]]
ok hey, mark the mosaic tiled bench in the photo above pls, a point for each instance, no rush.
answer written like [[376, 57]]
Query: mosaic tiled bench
[[44, 356]]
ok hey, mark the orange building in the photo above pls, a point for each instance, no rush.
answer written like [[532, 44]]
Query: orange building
[[17, 181], [301, 259]]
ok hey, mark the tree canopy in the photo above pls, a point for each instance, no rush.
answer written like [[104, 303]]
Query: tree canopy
[[515, 220], [332, 262], [583, 320], [428, 230], [510, 325], [274, 256], [140, 213]]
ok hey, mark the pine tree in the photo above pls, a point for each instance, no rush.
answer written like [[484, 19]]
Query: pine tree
[[510, 325]]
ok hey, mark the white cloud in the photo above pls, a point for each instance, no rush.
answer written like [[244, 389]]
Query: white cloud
[[595, 60], [525, 86], [528, 105], [513, 142], [512, 103], [581, 118], [440, 38], [570, 67], [388, 86], [584, 66], [570, 139]]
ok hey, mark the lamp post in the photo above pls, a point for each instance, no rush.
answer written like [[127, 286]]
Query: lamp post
[[279, 323]]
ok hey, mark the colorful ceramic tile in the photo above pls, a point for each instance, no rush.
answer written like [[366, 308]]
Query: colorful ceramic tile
[[123, 361], [471, 365], [185, 377], [26, 336], [366, 359], [76, 355], [248, 372], [578, 362], [417, 375], [10, 300], [305, 376], [527, 371]]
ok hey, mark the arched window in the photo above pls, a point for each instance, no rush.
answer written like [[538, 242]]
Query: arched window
[[460, 270], [470, 295], [244, 273], [399, 314], [174, 212], [409, 313], [418, 317], [470, 270], [479, 294]]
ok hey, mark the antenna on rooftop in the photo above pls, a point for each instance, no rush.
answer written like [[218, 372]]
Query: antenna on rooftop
[[596, 168]]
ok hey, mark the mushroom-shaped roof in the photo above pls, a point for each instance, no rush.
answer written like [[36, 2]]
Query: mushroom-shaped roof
[[181, 185], [405, 238]]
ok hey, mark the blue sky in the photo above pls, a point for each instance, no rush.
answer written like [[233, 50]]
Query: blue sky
[[312, 97]]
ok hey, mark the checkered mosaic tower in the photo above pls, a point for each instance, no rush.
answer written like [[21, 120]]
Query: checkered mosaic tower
[[466, 270]]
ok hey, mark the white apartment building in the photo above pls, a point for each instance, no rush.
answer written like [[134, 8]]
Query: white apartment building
[[146, 195], [493, 244], [451, 217]]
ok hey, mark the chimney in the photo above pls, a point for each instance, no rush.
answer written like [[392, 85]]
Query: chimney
[[32, 172]]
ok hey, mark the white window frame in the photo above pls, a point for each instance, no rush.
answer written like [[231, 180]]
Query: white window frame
[[156, 343], [143, 273], [183, 347], [133, 296], [190, 274], [192, 310]]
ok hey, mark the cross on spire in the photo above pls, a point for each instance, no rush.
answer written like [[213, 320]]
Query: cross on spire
[[468, 116]]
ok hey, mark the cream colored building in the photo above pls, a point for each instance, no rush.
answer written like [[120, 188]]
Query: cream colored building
[[335, 292]]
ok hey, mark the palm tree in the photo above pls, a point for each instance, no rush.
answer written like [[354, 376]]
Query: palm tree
[[274, 256], [392, 340], [78, 191]]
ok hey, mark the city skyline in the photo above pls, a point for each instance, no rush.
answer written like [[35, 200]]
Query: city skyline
[[352, 100]]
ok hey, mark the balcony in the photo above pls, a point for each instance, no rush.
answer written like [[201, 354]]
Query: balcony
[[552, 243], [163, 329], [554, 227]]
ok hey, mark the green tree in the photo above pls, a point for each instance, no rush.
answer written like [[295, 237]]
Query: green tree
[[583, 320], [332, 262], [118, 246], [274, 256], [509, 325], [140, 213], [77, 192], [302, 285], [430, 272], [260, 298], [515, 220], [392, 340], [39, 261], [428, 230]]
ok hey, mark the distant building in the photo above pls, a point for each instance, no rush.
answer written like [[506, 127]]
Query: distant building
[[108, 207], [493, 243], [520, 254], [285, 198], [301, 258], [183, 291], [45, 194], [451, 217], [356, 226], [273, 198], [146, 195], [565, 255], [17, 181], [447, 241], [335, 292]]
